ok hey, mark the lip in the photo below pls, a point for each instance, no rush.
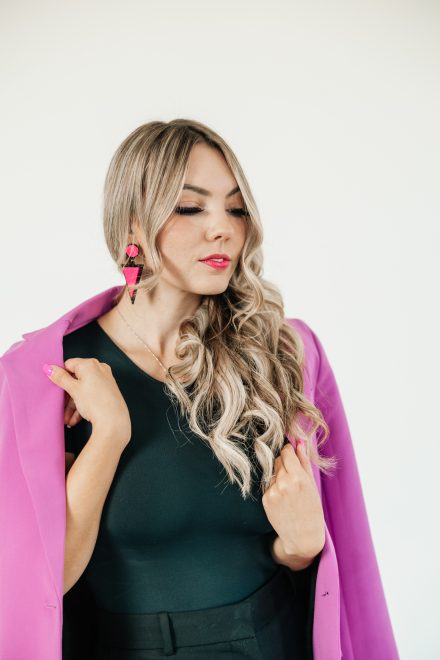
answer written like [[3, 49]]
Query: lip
[[218, 265], [216, 255]]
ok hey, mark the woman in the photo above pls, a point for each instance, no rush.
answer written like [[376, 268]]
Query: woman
[[204, 542]]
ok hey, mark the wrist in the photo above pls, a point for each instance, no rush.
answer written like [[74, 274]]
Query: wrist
[[293, 561], [107, 434]]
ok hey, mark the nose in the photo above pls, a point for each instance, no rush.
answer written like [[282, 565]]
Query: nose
[[221, 226]]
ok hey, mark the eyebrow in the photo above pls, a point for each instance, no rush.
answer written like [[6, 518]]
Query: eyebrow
[[203, 191]]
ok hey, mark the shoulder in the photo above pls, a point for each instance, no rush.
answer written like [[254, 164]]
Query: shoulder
[[311, 344], [9, 361], [308, 336], [6, 410], [3, 377], [21, 365]]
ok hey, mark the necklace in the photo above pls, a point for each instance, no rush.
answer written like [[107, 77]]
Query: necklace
[[141, 340]]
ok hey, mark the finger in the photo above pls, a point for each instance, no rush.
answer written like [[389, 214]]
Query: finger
[[62, 378], [289, 457], [72, 364], [304, 458], [69, 408], [278, 464], [76, 417]]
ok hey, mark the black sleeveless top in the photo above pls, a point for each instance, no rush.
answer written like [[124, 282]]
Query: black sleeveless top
[[174, 533]]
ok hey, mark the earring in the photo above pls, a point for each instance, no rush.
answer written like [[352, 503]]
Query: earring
[[132, 271]]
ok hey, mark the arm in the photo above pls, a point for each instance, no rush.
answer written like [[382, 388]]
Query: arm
[[87, 484]]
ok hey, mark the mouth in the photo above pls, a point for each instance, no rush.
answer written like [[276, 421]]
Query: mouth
[[218, 264]]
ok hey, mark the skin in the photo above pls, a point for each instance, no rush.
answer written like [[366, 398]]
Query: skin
[[293, 507], [184, 240], [292, 502]]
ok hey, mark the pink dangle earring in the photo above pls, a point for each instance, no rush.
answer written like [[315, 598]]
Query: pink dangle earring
[[132, 271]]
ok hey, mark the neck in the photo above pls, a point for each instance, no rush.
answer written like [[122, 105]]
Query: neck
[[156, 318]]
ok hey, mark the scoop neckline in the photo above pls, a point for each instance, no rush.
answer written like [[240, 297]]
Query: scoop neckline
[[126, 357]]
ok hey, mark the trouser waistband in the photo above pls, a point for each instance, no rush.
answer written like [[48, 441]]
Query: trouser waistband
[[168, 630]]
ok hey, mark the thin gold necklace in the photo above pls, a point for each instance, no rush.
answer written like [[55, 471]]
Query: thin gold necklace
[[141, 340]]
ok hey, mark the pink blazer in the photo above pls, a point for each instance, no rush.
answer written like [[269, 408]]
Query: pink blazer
[[350, 618]]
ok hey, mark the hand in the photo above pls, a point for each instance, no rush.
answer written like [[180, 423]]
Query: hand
[[71, 414], [95, 395], [293, 505]]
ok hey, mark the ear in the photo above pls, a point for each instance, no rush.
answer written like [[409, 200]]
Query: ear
[[136, 234], [134, 228]]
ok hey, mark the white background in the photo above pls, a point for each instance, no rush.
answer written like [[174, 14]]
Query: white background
[[333, 110]]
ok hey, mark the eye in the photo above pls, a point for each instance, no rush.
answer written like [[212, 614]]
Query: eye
[[188, 210], [192, 210], [239, 212]]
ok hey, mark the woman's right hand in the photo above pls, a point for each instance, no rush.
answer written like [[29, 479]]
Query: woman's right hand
[[96, 395]]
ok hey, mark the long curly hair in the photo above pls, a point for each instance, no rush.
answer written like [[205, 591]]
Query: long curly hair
[[240, 380]]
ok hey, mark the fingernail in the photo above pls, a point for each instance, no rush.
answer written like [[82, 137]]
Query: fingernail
[[48, 370]]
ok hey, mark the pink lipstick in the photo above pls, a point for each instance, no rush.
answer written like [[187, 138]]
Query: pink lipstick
[[218, 261], [219, 265]]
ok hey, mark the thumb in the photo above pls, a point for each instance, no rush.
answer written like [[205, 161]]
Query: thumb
[[60, 377]]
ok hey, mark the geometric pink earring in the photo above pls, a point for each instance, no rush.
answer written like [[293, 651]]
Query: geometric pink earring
[[132, 271]]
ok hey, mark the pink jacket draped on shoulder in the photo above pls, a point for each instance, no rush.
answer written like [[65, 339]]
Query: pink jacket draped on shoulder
[[350, 618]]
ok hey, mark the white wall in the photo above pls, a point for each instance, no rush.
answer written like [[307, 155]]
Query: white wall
[[333, 109]]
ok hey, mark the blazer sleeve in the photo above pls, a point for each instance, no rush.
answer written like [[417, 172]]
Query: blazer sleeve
[[366, 630]]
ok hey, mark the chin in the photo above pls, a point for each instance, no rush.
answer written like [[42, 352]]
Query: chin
[[213, 290]]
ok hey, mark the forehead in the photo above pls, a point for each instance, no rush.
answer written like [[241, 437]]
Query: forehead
[[208, 169]]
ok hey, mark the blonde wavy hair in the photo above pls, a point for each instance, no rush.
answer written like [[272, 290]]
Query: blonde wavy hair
[[240, 377]]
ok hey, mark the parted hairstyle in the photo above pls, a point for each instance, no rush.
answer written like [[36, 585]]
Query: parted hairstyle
[[240, 380]]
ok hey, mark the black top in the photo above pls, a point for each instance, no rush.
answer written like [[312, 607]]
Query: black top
[[174, 533]]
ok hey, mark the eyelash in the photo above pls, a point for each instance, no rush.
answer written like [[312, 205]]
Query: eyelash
[[193, 210]]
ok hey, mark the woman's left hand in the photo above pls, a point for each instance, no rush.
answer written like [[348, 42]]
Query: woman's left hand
[[293, 505]]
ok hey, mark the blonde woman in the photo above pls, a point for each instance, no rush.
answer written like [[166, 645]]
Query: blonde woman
[[201, 490]]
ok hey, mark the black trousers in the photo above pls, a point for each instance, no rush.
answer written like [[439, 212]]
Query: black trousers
[[260, 627], [273, 623]]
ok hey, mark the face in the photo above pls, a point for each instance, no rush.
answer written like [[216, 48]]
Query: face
[[204, 222]]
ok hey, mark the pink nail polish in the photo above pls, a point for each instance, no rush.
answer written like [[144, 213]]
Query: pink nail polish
[[47, 369]]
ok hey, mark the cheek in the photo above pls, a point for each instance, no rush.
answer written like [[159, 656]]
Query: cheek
[[179, 239], [244, 230], [241, 238]]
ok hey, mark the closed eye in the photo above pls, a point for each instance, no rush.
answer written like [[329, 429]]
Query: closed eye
[[192, 210]]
